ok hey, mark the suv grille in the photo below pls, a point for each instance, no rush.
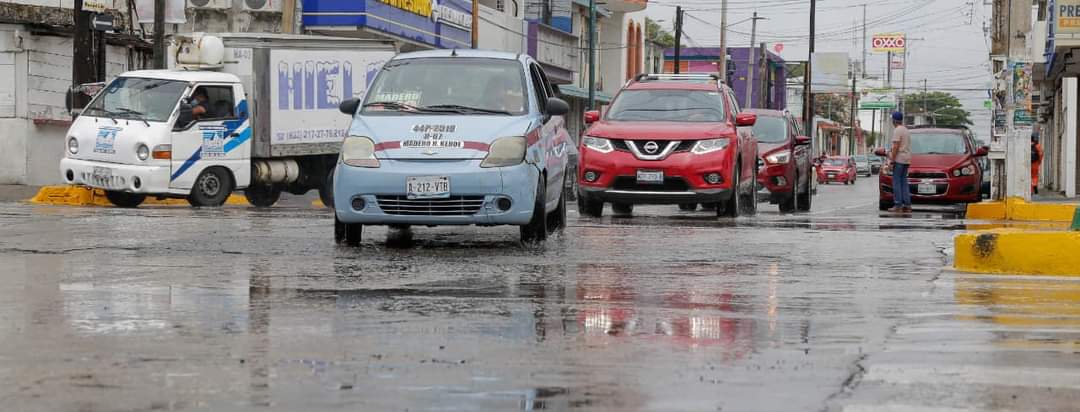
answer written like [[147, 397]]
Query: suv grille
[[452, 206], [671, 184]]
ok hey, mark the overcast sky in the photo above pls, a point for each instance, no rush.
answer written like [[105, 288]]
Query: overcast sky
[[946, 43]]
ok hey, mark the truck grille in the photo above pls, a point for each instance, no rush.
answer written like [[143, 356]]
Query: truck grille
[[451, 206]]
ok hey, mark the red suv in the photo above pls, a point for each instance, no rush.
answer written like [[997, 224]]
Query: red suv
[[946, 168], [785, 175], [669, 139]]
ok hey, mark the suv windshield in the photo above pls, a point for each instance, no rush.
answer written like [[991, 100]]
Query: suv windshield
[[938, 143], [137, 98], [668, 105], [770, 129], [451, 85]]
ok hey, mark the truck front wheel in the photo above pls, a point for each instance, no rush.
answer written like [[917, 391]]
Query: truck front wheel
[[125, 199], [212, 188], [262, 195]]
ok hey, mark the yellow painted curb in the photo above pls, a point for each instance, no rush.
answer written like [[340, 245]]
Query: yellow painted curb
[[318, 204], [72, 195], [1021, 210], [1019, 252]]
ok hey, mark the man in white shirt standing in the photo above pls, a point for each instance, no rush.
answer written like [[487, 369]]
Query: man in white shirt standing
[[900, 159]]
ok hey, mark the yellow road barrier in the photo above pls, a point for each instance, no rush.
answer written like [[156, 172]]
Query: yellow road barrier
[[1019, 252], [72, 195], [1019, 209]]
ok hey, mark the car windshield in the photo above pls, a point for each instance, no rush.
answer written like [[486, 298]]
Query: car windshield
[[770, 129], [449, 85], [137, 98], [667, 105], [835, 162], [938, 143], [860, 159]]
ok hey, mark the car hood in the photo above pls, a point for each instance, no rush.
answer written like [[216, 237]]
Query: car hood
[[937, 161], [458, 136], [660, 130], [834, 168], [767, 148]]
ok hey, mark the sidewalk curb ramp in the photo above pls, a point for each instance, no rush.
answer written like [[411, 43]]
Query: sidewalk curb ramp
[[1013, 251], [72, 195], [1020, 210]]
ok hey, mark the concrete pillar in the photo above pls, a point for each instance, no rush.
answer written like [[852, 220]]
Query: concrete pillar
[[1069, 147]]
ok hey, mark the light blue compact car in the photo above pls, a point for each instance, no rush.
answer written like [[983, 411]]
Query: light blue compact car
[[454, 137]]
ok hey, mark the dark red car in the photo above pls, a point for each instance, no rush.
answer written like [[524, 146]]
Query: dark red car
[[946, 168], [669, 140], [837, 169], [785, 173]]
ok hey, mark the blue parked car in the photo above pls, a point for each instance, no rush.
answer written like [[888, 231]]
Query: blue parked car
[[454, 137]]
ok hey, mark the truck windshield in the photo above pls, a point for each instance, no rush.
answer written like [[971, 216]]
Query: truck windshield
[[453, 85], [137, 98], [770, 129], [938, 143], [670, 105]]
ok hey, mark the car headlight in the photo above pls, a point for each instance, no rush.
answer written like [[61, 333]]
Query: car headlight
[[505, 151], [710, 145], [968, 170], [142, 152], [780, 157], [599, 144], [73, 145], [359, 151]]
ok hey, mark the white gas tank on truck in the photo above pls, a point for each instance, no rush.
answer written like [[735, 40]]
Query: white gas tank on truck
[[249, 111]]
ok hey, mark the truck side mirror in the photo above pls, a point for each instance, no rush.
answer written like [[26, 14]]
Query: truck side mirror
[[185, 118], [349, 106]]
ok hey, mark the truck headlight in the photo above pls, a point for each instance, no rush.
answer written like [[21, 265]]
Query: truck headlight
[[142, 152], [599, 144], [359, 151], [505, 151], [73, 145], [780, 157], [710, 145]]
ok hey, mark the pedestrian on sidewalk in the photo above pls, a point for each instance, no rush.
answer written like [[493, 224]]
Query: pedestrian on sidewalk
[[900, 161], [1036, 161]]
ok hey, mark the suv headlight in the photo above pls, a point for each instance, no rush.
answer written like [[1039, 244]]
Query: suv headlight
[[710, 145], [359, 151], [599, 144], [505, 151], [780, 157], [73, 145], [142, 152]]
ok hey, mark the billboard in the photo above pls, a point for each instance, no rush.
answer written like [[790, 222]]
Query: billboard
[[888, 42], [878, 99], [437, 23], [1066, 15], [829, 73]]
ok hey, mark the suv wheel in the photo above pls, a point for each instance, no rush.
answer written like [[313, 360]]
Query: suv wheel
[[730, 208]]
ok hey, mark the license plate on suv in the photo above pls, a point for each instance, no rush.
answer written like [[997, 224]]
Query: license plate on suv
[[650, 177]]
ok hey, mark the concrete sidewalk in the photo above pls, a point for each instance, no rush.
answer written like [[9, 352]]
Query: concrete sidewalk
[[17, 193]]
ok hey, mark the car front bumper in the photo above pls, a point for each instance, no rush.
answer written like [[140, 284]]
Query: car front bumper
[[776, 183], [474, 194], [117, 177], [964, 189]]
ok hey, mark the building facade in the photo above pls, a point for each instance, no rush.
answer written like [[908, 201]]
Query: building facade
[[770, 75]]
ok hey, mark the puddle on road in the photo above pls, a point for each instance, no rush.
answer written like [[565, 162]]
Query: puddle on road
[[1032, 313]]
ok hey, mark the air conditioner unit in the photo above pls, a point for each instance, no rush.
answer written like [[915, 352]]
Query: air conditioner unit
[[210, 4], [262, 5]]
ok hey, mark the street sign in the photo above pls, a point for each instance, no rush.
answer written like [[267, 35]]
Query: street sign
[[897, 63], [888, 42], [103, 22], [96, 6]]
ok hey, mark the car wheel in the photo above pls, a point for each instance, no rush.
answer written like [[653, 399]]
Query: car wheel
[[749, 202], [125, 199], [883, 205], [788, 205], [730, 208], [589, 206], [348, 234], [212, 188], [536, 229], [688, 207], [326, 191], [262, 195], [556, 221], [622, 209]]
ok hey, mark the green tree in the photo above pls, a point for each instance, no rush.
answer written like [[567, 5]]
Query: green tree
[[945, 108], [833, 106], [657, 34]]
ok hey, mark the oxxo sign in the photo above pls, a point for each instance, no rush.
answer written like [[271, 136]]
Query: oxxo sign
[[888, 42]]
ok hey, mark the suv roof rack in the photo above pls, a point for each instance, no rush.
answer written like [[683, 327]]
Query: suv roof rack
[[683, 77], [938, 126]]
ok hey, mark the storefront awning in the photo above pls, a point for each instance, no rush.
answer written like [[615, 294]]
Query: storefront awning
[[579, 93]]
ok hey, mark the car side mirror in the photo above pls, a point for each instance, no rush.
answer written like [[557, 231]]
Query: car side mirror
[[557, 106], [349, 106], [592, 116], [185, 118], [880, 152], [802, 140], [745, 119], [982, 151]]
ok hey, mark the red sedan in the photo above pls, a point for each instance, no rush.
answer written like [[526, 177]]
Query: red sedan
[[837, 169], [945, 168]]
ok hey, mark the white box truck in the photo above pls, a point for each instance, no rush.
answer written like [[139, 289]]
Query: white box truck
[[250, 111]]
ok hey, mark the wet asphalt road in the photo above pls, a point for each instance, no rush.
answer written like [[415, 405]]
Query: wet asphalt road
[[242, 309]]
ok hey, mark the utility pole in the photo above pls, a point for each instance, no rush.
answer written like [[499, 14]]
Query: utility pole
[[763, 66], [808, 108], [83, 61], [888, 70], [592, 54], [854, 97], [678, 37], [475, 24], [722, 64], [750, 66], [864, 40], [159, 34]]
